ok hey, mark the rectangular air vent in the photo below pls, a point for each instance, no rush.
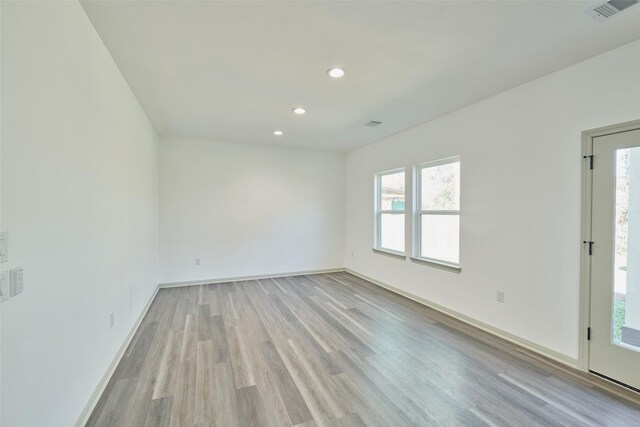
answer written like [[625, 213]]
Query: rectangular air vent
[[610, 8], [373, 123]]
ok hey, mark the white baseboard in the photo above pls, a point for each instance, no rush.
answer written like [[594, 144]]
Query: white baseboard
[[241, 278], [95, 396], [530, 345]]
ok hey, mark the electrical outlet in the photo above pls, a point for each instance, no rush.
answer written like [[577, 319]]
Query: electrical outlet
[[111, 320], [16, 282], [4, 286], [500, 296], [197, 261]]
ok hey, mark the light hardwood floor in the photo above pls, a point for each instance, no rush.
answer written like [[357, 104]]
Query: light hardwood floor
[[335, 350]]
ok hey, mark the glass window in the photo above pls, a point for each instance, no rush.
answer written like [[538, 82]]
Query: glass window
[[438, 222], [626, 299], [390, 210]]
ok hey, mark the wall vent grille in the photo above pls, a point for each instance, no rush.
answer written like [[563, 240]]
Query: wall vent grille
[[612, 7]]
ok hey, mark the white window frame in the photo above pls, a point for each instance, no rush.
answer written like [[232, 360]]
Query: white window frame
[[418, 212], [378, 212]]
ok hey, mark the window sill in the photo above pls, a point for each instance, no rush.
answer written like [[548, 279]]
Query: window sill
[[390, 253], [454, 268]]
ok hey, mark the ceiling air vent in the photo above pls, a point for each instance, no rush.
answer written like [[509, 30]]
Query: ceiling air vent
[[610, 8], [373, 123]]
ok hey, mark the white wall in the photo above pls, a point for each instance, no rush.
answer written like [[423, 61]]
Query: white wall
[[248, 210], [79, 200], [520, 231]]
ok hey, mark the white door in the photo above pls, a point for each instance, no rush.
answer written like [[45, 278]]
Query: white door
[[614, 349]]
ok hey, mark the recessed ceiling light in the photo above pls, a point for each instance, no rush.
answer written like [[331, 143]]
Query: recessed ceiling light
[[335, 72], [278, 132], [299, 110]]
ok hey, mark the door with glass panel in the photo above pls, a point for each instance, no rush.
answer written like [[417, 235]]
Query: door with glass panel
[[614, 349]]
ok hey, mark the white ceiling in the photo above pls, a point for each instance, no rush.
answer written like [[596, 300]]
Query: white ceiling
[[232, 71]]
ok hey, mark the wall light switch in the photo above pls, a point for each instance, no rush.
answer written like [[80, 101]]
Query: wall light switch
[[4, 286], [4, 246], [16, 283]]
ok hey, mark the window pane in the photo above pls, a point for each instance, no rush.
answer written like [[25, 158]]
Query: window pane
[[440, 187], [626, 297], [440, 237], [392, 232], [392, 192]]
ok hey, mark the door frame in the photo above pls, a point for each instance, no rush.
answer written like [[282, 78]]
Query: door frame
[[584, 321]]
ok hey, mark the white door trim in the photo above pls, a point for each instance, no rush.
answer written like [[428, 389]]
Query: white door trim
[[585, 234]]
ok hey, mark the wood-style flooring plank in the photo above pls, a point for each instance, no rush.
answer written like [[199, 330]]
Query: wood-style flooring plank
[[167, 374], [159, 413], [335, 350], [294, 402]]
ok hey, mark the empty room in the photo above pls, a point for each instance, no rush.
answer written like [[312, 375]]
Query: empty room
[[319, 213]]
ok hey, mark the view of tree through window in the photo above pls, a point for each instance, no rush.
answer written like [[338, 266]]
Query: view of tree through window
[[441, 187], [439, 214]]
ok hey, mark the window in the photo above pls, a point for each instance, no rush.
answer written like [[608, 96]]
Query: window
[[390, 209], [437, 224]]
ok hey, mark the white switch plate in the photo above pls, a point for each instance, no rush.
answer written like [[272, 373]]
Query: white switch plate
[[16, 282], [4, 286], [4, 246]]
